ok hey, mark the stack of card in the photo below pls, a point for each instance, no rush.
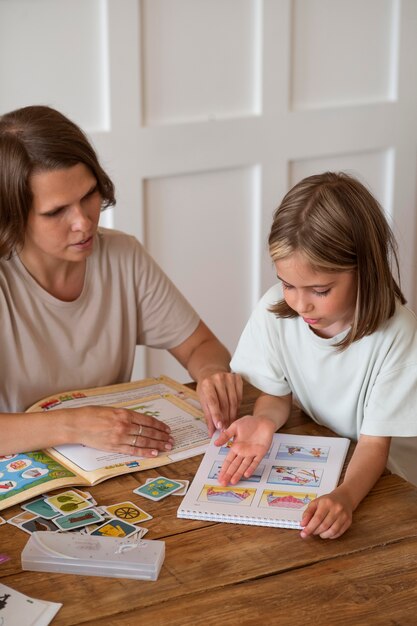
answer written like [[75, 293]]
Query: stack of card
[[77, 510], [160, 487]]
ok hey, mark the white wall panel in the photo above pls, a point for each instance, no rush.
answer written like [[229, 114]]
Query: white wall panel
[[202, 229], [200, 59], [344, 53], [54, 52]]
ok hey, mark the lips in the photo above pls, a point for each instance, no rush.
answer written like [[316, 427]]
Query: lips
[[311, 322], [83, 242]]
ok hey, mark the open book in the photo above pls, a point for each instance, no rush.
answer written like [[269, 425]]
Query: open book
[[295, 470], [24, 476]]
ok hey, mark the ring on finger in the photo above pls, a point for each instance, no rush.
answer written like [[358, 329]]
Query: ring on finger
[[140, 431], [134, 441]]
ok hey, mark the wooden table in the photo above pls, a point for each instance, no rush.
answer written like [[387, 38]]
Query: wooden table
[[233, 574]]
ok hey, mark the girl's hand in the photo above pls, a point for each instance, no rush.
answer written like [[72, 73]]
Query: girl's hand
[[328, 516], [220, 396], [119, 430], [252, 438]]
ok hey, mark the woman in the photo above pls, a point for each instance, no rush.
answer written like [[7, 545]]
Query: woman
[[76, 299]]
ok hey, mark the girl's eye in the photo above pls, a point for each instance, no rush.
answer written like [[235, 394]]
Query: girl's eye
[[285, 286], [54, 213], [321, 293]]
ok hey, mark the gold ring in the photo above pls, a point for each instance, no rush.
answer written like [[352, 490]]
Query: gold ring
[[134, 441], [140, 430]]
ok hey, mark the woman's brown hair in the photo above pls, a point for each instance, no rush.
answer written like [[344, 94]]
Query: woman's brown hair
[[35, 139], [336, 223]]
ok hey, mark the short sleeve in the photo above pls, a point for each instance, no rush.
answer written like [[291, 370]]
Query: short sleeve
[[165, 317], [258, 356], [392, 406]]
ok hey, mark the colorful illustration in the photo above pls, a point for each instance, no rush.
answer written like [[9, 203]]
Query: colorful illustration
[[115, 528], [145, 410], [227, 495], [68, 502], [255, 478], [52, 403], [158, 488], [128, 511], [289, 452], [286, 475], [38, 524], [41, 508], [78, 519], [285, 499], [26, 470]]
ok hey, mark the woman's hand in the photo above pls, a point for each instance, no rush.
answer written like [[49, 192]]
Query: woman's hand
[[328, 516], [119, 430], [220, 395], [252, 437]]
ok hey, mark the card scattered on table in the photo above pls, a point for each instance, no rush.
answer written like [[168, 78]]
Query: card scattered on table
[[181, 492], [129, 512], [158, 488]]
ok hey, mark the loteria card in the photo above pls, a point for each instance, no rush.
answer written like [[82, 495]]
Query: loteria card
[[158, 488], [40, 507], [181, 492], [129, 512], [78, 519], [38, 524], [68, 502], [115, 528]]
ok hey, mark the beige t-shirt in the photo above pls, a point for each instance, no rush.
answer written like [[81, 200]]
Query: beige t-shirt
[[48, 346]]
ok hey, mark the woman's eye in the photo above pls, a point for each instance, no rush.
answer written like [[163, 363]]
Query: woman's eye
[[322, 293], [54, 213]]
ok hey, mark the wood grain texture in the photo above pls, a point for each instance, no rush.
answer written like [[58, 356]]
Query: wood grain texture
[[236, 574]]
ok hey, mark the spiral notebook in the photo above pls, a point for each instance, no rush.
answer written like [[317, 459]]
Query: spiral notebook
[[296, 470]]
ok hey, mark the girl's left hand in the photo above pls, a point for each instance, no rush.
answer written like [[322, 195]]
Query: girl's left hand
[[328, 516], [220, 396]]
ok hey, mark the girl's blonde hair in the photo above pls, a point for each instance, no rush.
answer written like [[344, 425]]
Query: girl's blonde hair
[[336, 223]]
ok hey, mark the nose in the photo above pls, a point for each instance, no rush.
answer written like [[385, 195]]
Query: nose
[[80, 219], [304, 304]]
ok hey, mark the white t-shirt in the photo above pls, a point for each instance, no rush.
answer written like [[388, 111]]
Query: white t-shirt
[[48, 345], [369, 388]]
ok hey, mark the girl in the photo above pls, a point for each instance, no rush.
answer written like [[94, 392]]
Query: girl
[[76, 299], [341, 343]]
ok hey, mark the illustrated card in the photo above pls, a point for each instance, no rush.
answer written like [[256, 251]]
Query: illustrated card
[[68, 502], [78, 519], [115, 528], [286, 499], [295, 452], [217, 465], [158, 488], [40, 507], [128, 512], [287, 475], [181, 492], [227, 495], [18, 519], [38, 524]]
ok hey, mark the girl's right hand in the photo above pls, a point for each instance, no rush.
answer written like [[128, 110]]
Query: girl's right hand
[[118, 430], [252, 437]]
